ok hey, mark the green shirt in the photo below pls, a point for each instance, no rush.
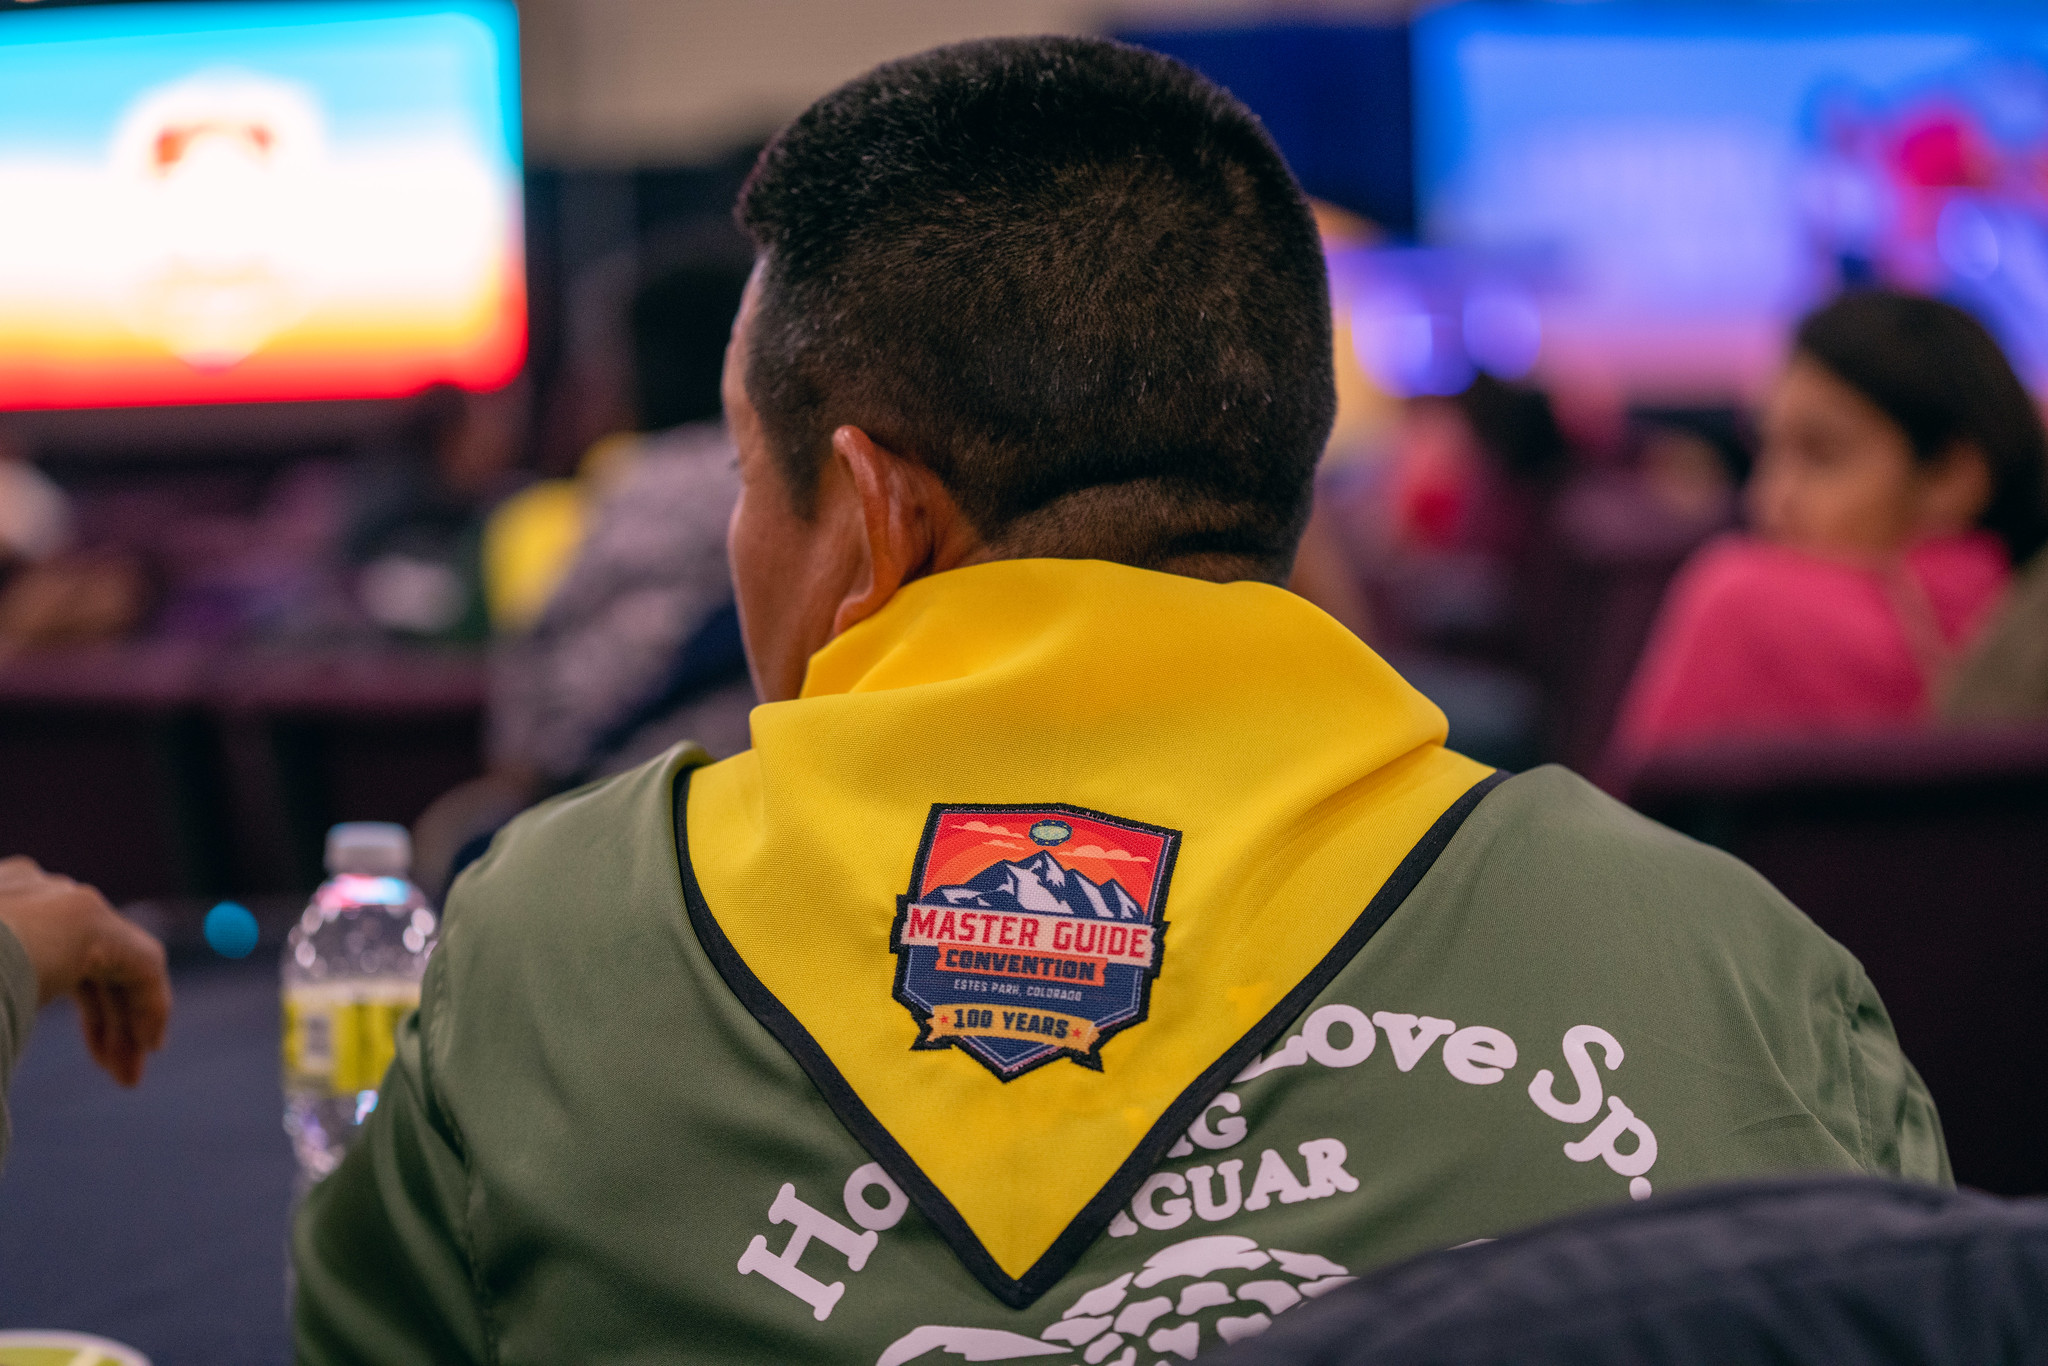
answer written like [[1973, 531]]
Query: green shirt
[[588, 1149]]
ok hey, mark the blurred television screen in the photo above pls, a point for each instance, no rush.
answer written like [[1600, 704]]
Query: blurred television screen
[[238, 202], [1676, 183]]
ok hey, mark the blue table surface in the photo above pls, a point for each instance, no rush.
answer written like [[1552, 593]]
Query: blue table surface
[[157, 1217]]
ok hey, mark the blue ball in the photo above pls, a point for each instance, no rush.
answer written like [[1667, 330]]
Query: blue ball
[[231, 930]]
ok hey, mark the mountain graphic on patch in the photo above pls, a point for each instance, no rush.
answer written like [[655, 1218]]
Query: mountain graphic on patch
[[1041, 884], [1031, 933]]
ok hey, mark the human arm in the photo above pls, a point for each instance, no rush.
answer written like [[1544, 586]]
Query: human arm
[[381, 1246], [17, 1016], [61, 938]]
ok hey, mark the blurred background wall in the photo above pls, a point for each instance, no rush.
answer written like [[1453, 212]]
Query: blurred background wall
[[621, 82]]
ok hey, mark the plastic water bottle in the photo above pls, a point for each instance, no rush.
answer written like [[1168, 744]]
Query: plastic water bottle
[[352, 968]]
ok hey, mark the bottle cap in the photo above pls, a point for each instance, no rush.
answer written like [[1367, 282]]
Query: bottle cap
[[377, 848]]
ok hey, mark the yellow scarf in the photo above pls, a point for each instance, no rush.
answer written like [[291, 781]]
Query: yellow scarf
[[1295, 769]]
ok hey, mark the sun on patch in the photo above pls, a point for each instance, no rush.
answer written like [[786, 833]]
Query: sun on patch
[[1031, 932]]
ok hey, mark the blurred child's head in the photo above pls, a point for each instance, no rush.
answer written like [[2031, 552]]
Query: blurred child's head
[[1898, 418]]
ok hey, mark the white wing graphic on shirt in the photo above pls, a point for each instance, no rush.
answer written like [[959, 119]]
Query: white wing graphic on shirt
[[975, 1344], [1108, 1317]]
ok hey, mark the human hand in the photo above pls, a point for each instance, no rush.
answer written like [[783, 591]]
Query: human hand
[[81, 948]]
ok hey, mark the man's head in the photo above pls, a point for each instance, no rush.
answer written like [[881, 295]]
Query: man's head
[[1019, 297]]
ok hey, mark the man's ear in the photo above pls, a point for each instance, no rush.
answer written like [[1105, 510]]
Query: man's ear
[[911, 526]]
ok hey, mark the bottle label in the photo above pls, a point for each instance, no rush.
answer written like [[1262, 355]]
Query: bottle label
[[339, 1037]]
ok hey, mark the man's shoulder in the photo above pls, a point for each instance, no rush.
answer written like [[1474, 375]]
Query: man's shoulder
[[1551, 813], [570, 864], [1559, 858]]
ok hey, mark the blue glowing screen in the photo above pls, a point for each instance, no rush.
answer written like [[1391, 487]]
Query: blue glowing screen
[[1676, 183]]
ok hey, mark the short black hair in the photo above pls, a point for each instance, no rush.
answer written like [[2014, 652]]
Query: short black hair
[[1073, 278], [1936, 371]]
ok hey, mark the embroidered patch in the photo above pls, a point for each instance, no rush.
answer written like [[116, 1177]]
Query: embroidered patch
[[1031, 932]]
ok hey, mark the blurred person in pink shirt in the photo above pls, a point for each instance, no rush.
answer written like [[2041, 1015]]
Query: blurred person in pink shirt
[[1901, 477]]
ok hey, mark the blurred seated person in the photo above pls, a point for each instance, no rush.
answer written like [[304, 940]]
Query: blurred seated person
[[1028, 389], [1442, 517], [1901, 477], [2005, 678], [1325, 574], [1420, 542], [417, 508], [35, 516], [50, 592], [1692, 462], [636, 646], [61, 938], [1326, 567]]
